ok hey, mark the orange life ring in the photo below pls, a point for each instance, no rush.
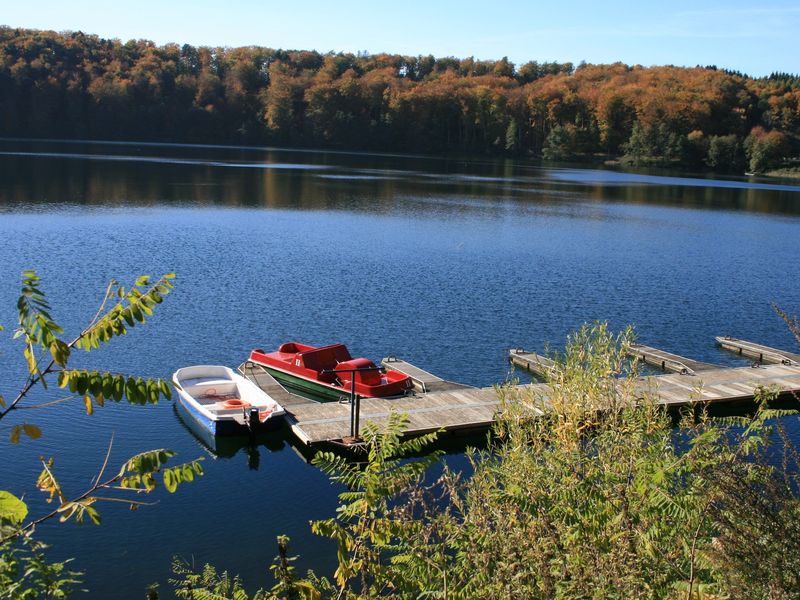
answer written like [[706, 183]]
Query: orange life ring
[[264, 415], [235, 403]]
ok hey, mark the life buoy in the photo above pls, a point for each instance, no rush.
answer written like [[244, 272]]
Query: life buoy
[[264, 415], [235, 403]]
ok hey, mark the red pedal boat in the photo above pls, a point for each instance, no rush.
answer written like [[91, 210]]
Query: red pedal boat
[[326, 372]]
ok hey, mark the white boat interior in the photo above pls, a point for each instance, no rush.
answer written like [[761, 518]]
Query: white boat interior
[[223, 393]]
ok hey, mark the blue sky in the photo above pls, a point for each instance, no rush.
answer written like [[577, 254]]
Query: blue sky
[[756, 38]]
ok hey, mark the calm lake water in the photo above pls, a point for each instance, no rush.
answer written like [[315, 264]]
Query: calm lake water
[[446, 263]]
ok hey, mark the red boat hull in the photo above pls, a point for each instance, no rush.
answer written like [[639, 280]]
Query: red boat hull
[[327, 367]]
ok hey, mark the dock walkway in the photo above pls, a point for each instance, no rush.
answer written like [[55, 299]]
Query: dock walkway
[[466, 408]]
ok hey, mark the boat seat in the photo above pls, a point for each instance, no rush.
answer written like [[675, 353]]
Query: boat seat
[[326, 357]]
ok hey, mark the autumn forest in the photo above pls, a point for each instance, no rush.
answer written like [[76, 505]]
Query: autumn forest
[[73, 85]]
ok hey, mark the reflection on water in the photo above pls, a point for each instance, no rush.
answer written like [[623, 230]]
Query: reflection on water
[[113, 175], [594, 176], [229, 446]]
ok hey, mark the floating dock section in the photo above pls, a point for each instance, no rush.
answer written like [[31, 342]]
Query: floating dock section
[[541, 366], [763, 354], [424, 382], [451, 407], [667, 361]]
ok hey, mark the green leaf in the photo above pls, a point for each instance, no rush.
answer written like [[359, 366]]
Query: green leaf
[[12, 508], [93, 515], [130, 390], [141, 390], [95, 383], [16, 432], [73, 381], [82, 382], [137, 313], [119, 387], [169, 481], [108, 385]]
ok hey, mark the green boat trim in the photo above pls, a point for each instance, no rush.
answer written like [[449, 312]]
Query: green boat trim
[[318, 391]]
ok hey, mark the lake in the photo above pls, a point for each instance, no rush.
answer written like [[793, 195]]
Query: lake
[[446, 263]]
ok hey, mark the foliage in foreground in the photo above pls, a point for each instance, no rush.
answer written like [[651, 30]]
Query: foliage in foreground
[[24, 571], [590, 492]]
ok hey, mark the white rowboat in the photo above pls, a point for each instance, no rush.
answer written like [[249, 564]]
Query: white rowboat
[[223, 402]]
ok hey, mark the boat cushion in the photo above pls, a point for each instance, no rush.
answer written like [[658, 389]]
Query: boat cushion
[[370, 377], [326, 357]]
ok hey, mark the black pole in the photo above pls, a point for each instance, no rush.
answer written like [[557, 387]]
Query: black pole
[[355, 399], [358, 413], [353, 413]]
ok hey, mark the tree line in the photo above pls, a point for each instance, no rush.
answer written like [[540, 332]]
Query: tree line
[[74, 85]]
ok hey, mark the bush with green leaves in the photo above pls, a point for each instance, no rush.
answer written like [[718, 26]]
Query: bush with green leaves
[[23, 569]]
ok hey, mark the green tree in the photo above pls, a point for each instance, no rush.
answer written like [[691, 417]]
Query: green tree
[[723, 152], [363, 528], [641, 146], [560, 143]]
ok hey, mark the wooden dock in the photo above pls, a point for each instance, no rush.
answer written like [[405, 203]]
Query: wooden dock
[[763, 354], [667, 361], [462, 408], [450, 410], [539, 365]]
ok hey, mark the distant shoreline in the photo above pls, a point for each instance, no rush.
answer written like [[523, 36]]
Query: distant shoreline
[[597, 162], [81, 86]]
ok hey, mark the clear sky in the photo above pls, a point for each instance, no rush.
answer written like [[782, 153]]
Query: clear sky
[[754, 37]]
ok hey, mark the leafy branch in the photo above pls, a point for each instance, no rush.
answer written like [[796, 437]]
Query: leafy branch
[[40, 334], [138, 475], [362, 528]]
